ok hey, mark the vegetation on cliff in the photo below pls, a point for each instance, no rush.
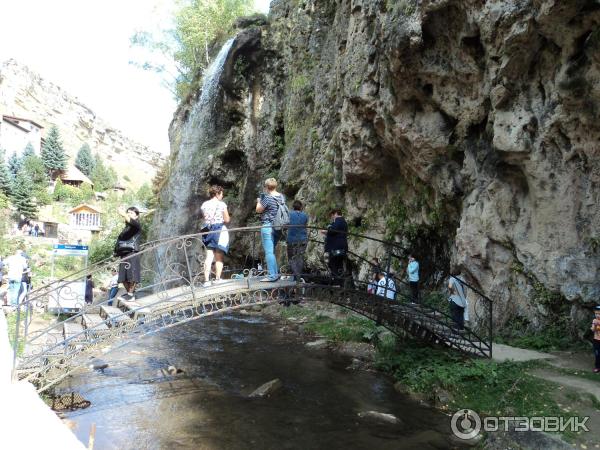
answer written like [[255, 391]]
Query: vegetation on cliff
[[186, 48]]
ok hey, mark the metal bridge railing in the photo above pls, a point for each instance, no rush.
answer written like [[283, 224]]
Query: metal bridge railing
[[173, 269]]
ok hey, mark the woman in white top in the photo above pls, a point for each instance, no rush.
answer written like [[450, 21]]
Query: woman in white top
[[216, 241]]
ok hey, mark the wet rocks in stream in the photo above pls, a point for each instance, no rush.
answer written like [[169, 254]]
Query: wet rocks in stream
[[267, 389]]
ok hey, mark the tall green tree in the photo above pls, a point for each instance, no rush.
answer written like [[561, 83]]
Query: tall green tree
[[34, 168], [5, 176], [85, 160], [29, 151], [14, 164], [198, 24], [53, 153], [22, 195], [103, 177]]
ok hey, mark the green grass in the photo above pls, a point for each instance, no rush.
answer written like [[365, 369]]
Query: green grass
[[551, 338], [486, 386]]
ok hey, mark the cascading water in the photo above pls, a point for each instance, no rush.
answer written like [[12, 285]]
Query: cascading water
[[198, 138]]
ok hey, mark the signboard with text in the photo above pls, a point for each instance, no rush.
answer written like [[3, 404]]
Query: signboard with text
[[70, 250]]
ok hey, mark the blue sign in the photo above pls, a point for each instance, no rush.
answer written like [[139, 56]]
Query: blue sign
[[71, 250]]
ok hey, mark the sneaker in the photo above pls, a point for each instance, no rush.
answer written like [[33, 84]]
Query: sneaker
[[207, 284], [596, 370], [128, 296], [220, 281], [269, 279]]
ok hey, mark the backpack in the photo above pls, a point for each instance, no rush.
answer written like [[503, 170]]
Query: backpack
[[282, 216]]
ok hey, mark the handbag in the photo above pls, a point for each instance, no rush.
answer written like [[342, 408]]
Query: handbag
[[124, 247]]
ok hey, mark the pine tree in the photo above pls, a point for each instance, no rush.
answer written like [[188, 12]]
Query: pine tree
[[22, 195], [5, 177], [29, 151], [103, 177], [53, 153], [85, 161], [14, 164]]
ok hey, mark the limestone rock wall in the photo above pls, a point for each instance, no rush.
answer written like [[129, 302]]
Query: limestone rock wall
[[24, 93], [466, 130]]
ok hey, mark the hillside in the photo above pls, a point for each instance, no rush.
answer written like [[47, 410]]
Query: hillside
[[24, 93]]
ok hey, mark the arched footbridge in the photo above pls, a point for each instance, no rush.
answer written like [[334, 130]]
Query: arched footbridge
[[172, 292]]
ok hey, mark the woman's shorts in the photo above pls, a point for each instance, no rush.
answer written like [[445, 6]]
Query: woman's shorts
[[217, 238]]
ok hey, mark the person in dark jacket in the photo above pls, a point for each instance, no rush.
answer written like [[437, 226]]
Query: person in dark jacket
[[129, 270], [89, 290], [336, 243]]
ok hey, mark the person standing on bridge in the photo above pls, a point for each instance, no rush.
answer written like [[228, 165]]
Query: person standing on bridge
[[336, 244], [267, 205], [127, 246], [413, 278], [297, 239], [215, 215], [458, 301]]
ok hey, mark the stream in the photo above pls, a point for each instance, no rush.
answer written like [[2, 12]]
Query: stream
[[137, 404]]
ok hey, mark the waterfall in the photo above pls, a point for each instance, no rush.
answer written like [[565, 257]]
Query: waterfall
[[198, 138]]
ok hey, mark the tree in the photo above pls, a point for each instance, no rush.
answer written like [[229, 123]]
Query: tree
[[84, 160], [103, 177], [5, 176], [33, 166], [29, 151], [198, 24], [14, 164], [21, 197], [53, 153]]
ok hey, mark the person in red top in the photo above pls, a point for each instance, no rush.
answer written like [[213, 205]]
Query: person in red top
[[596, 330]]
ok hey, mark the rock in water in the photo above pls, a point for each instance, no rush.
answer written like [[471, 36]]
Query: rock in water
[[98, 364], [379, 417], [267, 389], [321, 343]]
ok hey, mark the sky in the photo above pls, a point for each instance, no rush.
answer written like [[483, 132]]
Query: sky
[[84, 47]]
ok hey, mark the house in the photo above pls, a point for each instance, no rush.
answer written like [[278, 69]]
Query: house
[[85, 217], [48, 222], [17, 132], [74, 177]]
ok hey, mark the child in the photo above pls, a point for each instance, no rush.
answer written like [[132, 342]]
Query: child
[[596, 330]]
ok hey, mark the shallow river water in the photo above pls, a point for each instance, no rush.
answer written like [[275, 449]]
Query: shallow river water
[[137, 405]]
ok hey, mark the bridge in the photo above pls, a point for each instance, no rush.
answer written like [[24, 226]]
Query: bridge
[[172, 293]]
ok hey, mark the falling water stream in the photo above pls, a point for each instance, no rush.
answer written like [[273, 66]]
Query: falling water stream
[[136, 404]]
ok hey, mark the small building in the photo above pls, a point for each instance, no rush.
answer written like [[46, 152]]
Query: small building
[[17, 132], [85, 217], [74, 177], [48, 223]]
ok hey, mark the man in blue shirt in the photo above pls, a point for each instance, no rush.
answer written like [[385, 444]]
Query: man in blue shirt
[[413, 277], [297, 239]]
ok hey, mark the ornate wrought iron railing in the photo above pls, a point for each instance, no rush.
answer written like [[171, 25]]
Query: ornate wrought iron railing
[[172, 292]]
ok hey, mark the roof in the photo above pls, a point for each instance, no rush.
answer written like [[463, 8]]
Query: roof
[[23, 120], [74, 174], [85, 206], [15, 124]]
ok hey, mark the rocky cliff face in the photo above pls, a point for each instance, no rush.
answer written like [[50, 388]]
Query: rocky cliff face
[[466, 130], [23, 93]]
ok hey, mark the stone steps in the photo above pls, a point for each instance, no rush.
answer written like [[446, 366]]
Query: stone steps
[[113, 316]]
